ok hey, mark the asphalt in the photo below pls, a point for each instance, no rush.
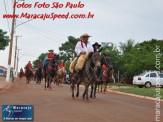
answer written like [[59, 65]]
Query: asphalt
[[56, 105]]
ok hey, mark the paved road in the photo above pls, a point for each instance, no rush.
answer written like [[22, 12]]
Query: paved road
[[58, 106]]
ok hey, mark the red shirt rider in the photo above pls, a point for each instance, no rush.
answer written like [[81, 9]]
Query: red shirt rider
[[61, 65], [29, 65], [40, 63], [50, 55]]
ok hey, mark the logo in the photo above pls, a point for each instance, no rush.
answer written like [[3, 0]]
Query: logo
[[17, 112]]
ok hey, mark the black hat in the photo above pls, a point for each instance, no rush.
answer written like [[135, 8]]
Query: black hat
[[96, 44]]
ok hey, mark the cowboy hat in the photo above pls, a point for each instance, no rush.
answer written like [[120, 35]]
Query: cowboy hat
[[51, 50], [84, 35], [96, 44]]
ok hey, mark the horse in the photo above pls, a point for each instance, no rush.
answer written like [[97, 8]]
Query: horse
[[104, 74], [39, 75], [28, 74], [50, 72], [61, 76], [86, 74], [21, 74]]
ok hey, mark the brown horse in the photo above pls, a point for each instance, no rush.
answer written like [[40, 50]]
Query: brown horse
[[21, 74], [61, 76], [28, 74], [87, 74]]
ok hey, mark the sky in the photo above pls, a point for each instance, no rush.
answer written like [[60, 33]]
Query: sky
[[114, 21]]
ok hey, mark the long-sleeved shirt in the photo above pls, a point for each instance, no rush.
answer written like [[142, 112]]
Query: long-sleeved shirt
[[81, 46]]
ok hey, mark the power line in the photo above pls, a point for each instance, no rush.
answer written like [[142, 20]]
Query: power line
[[46, 35], [6, 14], [46, 30], [24, 22]]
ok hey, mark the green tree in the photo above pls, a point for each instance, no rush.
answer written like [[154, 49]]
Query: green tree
[[4, 40], [114, 55], [67, 52], [128, 46], [142, 57]]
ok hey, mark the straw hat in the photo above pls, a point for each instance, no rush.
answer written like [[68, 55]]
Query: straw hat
[[84, 35], [51, 50]]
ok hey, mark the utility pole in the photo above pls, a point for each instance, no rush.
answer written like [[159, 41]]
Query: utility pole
[[17, 63], [10, 49], [16, 46], [16, 42]]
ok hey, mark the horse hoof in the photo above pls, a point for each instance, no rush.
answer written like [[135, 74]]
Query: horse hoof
[[87, 100], [77, 95]]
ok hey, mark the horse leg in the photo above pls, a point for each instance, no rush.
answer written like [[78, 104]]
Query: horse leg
[[105, 90], [73, 90], [98, 87], [101, 87], [50, 80], [87, 86], [95, 90], [77, 94], [91, 90], [84, 94], [45, 81]]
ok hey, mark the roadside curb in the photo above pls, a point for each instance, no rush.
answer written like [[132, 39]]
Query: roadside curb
[[133, 95]]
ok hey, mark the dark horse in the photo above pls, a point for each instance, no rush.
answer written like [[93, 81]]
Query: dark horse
[[86, 74], [28, 74], [51, 71], [104, 74], [39, 75], [21, 74]]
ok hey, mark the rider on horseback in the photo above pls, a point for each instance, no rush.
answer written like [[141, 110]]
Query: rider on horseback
[[29, 65], [21, 70], [48, 58], [40, 63], [61, 65], [82, 48], [61, 72], [50, 55], [97, 48]]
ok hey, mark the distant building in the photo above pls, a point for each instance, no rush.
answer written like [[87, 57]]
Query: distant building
[[3, 70]]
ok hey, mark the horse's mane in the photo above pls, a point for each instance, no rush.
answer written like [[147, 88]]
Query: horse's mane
[[90, 55]]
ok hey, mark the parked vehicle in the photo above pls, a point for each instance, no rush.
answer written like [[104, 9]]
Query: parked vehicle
[[148, 79]]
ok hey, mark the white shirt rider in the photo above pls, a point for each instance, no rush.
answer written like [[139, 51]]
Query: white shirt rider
[[82, 47]]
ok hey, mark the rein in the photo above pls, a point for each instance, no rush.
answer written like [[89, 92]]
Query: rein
[[106, 75], [52, 68], [106, 61]]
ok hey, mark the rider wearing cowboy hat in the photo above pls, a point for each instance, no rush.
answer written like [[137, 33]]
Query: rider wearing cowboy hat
[[48, 58], [82, 49], [50, 55], [62, 64], [96, 47]]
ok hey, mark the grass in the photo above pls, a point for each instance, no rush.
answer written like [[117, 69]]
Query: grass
[[150, 92], [120, 84]]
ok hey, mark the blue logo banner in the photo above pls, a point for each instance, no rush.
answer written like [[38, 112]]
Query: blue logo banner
[[17, 112]]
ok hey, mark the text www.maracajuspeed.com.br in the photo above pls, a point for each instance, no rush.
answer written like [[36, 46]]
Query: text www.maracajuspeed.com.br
[[52, 16]]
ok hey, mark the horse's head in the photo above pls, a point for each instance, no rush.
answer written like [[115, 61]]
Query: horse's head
[[107, 61], [95, 59], [53, 62]]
